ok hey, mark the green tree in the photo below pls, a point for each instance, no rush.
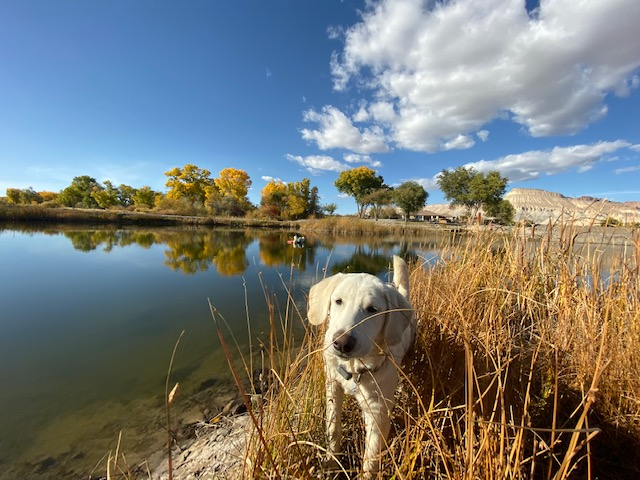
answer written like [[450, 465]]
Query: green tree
[[188, 182], [107, 196], [80, 192], [471, 189], [358, 183], [330, 208], [125, 195], [314, 208], [410, 197], [144, 197], [25, 196], [13, 194], [503, 211], [610, 222], [378, 199]]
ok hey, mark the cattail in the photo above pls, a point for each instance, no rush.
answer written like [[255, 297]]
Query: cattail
[[172, 394]]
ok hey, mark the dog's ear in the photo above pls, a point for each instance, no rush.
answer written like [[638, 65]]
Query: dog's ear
[[401, 276], [320, 299], [400, 321]]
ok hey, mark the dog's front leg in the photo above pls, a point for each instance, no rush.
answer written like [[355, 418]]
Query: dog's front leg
[[335, 397], [376, 415]]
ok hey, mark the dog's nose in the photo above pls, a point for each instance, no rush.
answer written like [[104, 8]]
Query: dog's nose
[[344, 342]]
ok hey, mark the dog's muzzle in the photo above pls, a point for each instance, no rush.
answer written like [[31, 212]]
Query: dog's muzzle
[[344, 342]]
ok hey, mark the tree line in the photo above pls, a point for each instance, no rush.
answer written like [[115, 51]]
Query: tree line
[[462, 187], [193, 191]]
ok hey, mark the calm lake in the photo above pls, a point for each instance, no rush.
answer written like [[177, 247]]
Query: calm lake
[[89, 319]]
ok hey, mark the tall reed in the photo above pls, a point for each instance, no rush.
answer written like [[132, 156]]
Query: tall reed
[[525, 366]]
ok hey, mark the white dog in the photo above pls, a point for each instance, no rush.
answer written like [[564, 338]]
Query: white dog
[[371, 328]]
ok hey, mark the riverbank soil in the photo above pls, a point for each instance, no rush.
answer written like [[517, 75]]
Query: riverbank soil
[[218, 452]]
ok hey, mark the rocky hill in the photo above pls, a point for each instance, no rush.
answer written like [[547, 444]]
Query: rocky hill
[[540, 206]]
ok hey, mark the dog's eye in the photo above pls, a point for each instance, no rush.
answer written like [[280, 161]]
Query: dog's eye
[[338, 301], [372, 309]]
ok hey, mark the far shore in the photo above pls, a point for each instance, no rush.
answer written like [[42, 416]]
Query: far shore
[[35, 215], [26, 214]]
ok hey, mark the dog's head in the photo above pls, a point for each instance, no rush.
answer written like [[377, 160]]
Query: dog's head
[[365, 314]]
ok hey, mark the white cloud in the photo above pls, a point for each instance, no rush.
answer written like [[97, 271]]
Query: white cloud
[[316, 164], [334, 32], [620, 171], [461, 142], [439, 71], [533, 164], [337, 131], [536, 163], [483, 135], [357, 158], [268, 178], [429, 184]]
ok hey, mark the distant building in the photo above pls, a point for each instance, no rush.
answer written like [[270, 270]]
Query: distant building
[[430, 216]]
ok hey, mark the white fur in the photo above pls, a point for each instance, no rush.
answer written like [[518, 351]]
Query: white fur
[[371, 327]]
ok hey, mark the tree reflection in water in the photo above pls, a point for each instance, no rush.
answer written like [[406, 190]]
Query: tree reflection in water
[[198, 249]]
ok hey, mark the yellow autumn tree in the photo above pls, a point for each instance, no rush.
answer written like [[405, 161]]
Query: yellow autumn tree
[[273, 199], [233, 183], [289, 201], [188, 182], [228, 193], [298, 198]]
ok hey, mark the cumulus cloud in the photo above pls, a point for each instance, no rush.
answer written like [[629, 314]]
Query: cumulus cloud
[[536, 163], [533, 164], [337, 131], [357, 158], [461, 142], [432, 74], [429, 184], [316, 164], [268, 178]]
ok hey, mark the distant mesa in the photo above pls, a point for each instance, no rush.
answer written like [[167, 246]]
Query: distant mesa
[[541, 207]]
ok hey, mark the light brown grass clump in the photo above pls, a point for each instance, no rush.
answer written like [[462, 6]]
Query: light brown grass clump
[[525, 366]]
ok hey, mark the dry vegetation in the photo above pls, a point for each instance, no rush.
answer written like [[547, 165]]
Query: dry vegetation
[[31, 214], [526, 366]]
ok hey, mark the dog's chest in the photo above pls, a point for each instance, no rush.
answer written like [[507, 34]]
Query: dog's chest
[[357, 375]]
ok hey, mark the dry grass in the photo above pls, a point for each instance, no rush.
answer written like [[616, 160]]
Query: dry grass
[[29, 214], [338, 225], [525, 366]]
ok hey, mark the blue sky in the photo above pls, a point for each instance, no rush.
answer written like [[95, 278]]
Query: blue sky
[[123, 90]]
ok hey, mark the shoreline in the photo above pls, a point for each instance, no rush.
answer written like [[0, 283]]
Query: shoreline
[[217, 452], [32, 214]]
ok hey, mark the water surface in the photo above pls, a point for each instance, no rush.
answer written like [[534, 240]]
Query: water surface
[[89, 318]]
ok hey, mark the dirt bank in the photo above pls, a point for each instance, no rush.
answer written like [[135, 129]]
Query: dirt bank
[[217, 452]]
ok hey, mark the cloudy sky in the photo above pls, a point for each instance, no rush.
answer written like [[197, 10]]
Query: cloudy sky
[[547, 93]]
